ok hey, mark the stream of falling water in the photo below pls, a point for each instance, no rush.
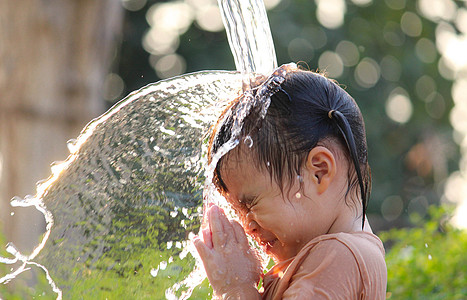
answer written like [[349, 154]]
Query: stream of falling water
[[120, 209]]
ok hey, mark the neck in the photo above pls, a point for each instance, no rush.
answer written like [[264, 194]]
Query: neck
[[346, 221]]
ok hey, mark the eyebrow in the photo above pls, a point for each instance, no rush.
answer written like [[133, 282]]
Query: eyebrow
[[247, 199]]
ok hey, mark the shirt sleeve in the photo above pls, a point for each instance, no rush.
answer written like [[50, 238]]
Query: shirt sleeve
[[329, 271]]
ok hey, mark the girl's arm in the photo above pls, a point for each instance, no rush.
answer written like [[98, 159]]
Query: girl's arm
[[232, 267]]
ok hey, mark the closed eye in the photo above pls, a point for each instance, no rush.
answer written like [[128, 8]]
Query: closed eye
[[249, 202]]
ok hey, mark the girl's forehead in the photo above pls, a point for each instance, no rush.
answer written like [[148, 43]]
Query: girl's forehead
[[236, 163]]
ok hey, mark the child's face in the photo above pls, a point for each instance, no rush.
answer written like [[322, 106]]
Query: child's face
[[281, 223]]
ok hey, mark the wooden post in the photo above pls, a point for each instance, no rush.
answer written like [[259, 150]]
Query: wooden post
[[54, 56]]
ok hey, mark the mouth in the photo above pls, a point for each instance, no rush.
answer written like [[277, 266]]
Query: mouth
[[268, 245]]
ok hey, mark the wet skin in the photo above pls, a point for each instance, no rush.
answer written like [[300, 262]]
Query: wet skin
[[282, 221]]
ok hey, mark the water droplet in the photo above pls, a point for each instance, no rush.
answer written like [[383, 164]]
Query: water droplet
[[248, 141], [12, 213], [10, 248], [298, 195], [154, 272], [72, 145]]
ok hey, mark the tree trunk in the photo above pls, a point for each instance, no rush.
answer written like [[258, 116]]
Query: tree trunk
[[54, 56]]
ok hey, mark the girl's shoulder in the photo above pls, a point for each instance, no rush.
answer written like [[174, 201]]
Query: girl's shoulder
[[336, 260], [356, 242]]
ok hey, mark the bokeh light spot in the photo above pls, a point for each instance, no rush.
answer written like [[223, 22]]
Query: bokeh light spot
[[367, 73], [113, 87], [392, 208], [398, 106], [159, 41], [209, 18], [330, 13], [425, 50], [446, 69], [270, 4], [424, 87], [349, 53], [362, 2], [395, 4], [133, 5], [418, 206], [461, 20], [435, 105], [437, 9], [331, 63], [393, 35], [170, 65], [411, 24], [458, 115], [170, 16], [315, 35]]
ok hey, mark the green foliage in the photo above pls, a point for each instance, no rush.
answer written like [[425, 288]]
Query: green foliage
[[429, 261]]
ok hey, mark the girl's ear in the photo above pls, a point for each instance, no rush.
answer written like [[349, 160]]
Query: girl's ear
[[322, 168]]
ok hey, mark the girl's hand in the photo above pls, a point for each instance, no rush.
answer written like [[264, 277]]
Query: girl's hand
[[233, 268]]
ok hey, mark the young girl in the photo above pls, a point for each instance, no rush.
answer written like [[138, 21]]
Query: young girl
[[298, 180]]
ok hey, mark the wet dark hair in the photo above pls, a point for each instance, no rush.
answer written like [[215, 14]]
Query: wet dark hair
[[308, 110]]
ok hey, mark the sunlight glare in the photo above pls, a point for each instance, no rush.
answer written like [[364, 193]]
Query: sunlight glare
[[171, 16], [398, 106], [209, 18], [330, 13], [270, 4], [436, 10]]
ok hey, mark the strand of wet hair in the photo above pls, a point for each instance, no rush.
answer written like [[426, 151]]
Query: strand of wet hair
[[346, 131]]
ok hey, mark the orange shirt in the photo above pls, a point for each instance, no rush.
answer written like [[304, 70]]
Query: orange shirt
[[332, 266]]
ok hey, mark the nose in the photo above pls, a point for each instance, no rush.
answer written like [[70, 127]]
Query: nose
[[251, 226]]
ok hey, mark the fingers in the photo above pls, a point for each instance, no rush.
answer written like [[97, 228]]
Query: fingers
[[240, 235], [207, 237], [221, 228], [201, 247]]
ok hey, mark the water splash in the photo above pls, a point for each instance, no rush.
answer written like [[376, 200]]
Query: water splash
[[249, 36], [129, 177]]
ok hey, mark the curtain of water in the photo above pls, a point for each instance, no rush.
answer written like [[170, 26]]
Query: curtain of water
[[249, 36]]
